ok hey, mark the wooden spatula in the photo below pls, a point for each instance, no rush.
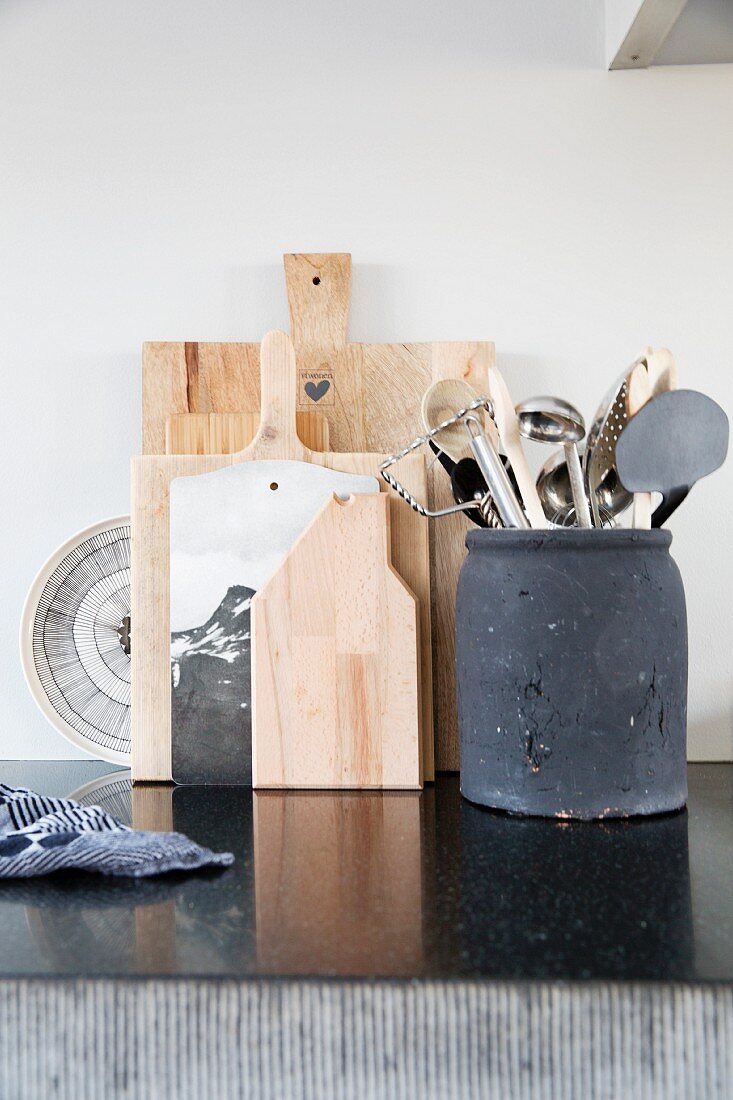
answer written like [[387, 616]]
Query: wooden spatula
[[511, 442], [638, 392]]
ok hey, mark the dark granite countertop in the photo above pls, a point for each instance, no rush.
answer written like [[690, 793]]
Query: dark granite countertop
[[407, 886]]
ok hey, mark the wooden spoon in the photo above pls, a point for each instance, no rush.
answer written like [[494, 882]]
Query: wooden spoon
[[443, 400], [638, 392], [506, 422]]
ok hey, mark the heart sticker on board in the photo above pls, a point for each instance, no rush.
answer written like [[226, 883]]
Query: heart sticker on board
[[316, 392]]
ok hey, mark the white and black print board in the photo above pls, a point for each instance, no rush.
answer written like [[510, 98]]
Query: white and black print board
[[75, 639], [229, 531]]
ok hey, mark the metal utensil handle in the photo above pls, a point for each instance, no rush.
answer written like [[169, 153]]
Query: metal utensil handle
[[575, 472], [485, 505], [495, 476]]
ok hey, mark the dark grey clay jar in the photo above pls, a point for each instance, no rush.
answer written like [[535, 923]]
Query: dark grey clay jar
[[571, 650]]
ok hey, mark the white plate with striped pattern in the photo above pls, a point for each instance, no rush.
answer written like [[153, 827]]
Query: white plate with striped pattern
[[75, 639]]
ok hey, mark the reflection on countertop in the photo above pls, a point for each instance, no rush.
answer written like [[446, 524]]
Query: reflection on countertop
[[397, 885]]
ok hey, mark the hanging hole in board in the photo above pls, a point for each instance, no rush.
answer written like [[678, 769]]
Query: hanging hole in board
[[274, 485], [316, 281]]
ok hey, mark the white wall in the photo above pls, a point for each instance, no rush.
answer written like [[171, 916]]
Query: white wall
[[491, 179]]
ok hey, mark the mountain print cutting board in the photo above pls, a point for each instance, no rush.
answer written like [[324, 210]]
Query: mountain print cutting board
[[229, 530]]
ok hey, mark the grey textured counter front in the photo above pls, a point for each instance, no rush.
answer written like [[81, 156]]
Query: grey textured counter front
[[368, 945]]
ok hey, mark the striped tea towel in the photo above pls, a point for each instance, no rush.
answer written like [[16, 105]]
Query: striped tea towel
[[39, 835]]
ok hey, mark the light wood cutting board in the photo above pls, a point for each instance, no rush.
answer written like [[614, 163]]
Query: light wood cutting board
[[229, 531], [227, 433], [369, 393], [151, 479], [335, 689]]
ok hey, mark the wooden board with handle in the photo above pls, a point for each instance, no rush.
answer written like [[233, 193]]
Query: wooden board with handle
[[335, 686], [370, 395], [151, 479], [227, 433]]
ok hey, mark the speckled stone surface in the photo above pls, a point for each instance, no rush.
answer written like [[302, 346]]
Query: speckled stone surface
[[374, 945], [400, 886], [571, 657]]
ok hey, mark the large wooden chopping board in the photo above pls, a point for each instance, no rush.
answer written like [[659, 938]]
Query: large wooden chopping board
[[370, 395], [151, 479], [229, 531], [335, 659]]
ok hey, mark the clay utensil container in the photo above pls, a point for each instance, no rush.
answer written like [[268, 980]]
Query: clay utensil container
[[673, 441], [552, 420], [570, 705]]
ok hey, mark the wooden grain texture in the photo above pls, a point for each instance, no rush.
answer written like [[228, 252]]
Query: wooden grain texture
[[335, 666], [151, 476], [372, 404], [662, 370], [638, 392], [508, 426], [195, 378], [227, 433], [350, 858]]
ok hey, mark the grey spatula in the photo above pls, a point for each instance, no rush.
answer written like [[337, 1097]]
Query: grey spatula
[[673, 441]]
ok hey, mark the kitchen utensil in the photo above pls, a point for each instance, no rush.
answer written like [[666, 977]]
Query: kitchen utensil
[[449, 513], [673, 441], [462, 436], [600, 447], [75, 639], [440, 402], [502, 492], [369, 393], [335, 659], [555, 490], [468, 484], [662, 370], [276, 440], [661, 373], [450, 467], [227, 433], [639, 390], [552, 420], [511, 442]]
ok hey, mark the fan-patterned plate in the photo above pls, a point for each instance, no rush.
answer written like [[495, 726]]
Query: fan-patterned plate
[[75, 639]]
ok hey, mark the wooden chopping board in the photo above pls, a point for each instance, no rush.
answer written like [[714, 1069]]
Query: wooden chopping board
[[369, 393], [227, 433], [335, 689], [151, 479], [229, 531]]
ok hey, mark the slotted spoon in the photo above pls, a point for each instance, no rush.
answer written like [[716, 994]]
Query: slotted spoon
[[611, 417]]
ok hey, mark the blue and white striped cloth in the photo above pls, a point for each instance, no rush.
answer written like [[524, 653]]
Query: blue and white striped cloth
[[39, 835]]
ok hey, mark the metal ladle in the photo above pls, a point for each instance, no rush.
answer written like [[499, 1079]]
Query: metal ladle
[[555, 492], [552, 420]]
